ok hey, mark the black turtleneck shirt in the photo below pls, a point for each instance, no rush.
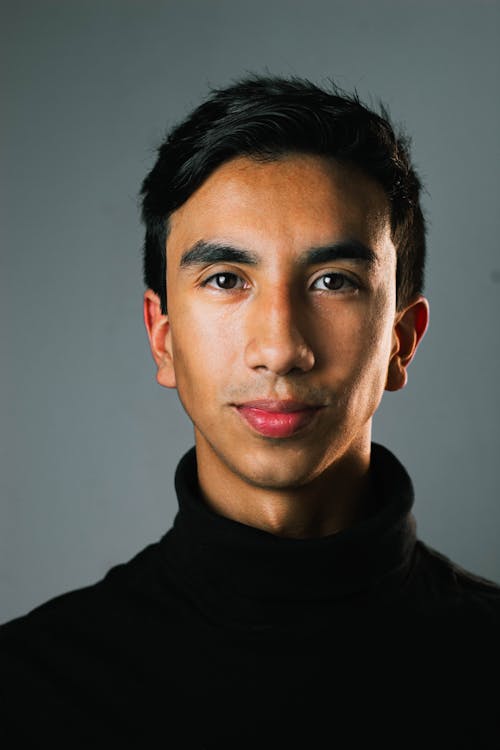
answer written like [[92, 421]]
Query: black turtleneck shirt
[[224, 635]]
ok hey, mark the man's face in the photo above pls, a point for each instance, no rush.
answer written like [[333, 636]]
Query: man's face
[[281, 328]]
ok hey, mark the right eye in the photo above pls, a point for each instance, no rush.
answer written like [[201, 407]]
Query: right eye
[[226, 277]]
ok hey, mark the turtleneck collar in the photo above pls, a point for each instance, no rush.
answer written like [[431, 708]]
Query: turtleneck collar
[[246, 577]]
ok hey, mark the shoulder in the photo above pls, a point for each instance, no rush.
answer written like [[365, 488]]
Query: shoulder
[[445, 598], [445, 575], [448, 629], [89, 610], [80, 653]]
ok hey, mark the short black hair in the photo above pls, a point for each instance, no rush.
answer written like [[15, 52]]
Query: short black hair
[[265, 117]]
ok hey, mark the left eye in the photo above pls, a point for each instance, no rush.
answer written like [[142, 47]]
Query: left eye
[[337, 281]]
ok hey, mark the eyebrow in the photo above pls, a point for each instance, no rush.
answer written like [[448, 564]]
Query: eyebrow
[[203, 253]]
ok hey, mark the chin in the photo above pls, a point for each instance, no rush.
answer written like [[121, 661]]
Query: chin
[[267, 471]]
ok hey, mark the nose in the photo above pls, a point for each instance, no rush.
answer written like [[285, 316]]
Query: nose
[[275, 333]]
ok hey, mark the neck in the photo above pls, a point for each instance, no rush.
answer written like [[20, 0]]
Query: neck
[[335, 497]]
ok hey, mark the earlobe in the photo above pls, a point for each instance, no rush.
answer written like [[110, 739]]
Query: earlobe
[[409, 329], [160, 340]]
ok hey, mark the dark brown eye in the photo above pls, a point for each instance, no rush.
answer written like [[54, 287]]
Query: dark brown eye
[[224, 280], [336, 281]]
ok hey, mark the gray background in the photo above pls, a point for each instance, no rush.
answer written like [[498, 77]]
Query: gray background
[[90, 442]]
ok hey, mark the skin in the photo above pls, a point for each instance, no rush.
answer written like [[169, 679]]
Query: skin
[[278, 330]]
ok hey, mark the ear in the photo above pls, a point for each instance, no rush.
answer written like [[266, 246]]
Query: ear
[[160, 339], [410, 326]]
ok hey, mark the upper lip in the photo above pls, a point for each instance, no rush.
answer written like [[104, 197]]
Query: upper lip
[[279, 406]]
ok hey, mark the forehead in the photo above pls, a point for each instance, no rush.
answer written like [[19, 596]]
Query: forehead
[[295, 201]]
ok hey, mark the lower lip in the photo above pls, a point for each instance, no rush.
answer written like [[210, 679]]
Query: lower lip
[[277, 424]]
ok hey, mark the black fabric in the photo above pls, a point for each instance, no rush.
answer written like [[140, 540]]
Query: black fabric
[[224, 635]]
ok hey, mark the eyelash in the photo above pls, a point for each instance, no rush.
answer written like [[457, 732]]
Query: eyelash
[[350, 281]]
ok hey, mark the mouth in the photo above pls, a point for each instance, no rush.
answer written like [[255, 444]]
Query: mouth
[[277, 406], [278, 423]]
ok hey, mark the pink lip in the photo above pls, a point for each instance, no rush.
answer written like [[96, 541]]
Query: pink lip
[[277, 424], [273, 405]]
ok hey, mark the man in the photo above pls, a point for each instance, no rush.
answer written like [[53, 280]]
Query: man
[[291, 604]]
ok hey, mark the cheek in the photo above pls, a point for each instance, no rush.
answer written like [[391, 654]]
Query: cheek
[[202, 355], [360, 335], [360, 348]]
